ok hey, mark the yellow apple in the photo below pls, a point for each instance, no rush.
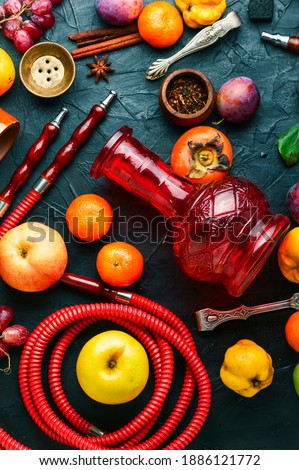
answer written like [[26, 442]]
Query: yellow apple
[[112, 367], [33, 257]]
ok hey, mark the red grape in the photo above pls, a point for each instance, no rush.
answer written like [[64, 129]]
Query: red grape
[[35, 31], [41, 7], [57, 2], [6, 316], [15, 335], [44, 21], [4, 348], [22, 41], [10, 28], [12, 6]]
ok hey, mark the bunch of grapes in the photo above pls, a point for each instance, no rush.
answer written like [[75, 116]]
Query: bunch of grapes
[[14, 335], [23, 21]]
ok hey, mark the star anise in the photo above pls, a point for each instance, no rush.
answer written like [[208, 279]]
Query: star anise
[[100, 68]]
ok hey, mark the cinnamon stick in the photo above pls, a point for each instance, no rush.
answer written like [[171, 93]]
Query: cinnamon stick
[[87, 42], [107, 46], [112, 32]]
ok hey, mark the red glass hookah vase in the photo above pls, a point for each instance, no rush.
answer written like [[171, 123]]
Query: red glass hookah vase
[[222, 231]]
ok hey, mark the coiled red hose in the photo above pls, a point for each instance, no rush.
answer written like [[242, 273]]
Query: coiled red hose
[[159, 330]]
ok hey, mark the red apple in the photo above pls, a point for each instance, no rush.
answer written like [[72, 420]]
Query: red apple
[[33, 257]]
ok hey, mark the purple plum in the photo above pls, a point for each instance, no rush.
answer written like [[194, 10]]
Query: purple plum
[[238, 100], [118, 12], [292, 201]]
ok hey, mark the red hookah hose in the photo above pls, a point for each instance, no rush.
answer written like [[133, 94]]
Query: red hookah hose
[[20, 211], [163, 370], [158, 329]]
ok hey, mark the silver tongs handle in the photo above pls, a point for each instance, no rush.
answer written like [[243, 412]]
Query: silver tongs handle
[[201, 40], [207, 318]]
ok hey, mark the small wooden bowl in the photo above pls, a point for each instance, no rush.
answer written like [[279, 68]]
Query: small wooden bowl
[[47, 70], [201, 111]]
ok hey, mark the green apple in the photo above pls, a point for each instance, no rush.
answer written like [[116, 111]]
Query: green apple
[[296, 378]]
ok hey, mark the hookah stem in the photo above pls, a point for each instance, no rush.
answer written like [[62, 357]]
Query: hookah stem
[[291, 43], [33, 156], [62, 158], [95, 287]]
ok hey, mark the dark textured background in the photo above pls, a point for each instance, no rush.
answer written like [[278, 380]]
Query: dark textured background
[[270, 419]]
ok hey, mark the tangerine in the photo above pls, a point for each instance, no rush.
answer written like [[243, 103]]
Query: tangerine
[[89, 217], [7, 72], [292, 331], [160, 24], [119, 264]]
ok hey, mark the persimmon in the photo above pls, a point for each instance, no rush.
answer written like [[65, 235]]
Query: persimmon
[[202, 154]]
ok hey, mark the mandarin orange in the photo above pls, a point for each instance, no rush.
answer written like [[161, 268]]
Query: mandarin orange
[[89, 217], [119, 264], [292, 331], [7, 72], [160, 24]]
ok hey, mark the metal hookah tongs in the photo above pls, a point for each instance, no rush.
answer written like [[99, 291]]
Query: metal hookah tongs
[[33, 156], [62, 158], [201, 40], [208, 318]]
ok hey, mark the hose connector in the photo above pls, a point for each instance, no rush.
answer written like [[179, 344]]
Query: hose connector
[[58, 119], [3, 207], [276, 39], [94, 431], [41, 185], [107, 101]]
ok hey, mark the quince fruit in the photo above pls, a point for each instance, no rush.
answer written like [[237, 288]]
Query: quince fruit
[[200, 13], [247, 368]]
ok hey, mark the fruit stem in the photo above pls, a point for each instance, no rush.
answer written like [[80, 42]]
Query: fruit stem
[[114, 358], [218, 122], [17, 15], [6, 370]]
